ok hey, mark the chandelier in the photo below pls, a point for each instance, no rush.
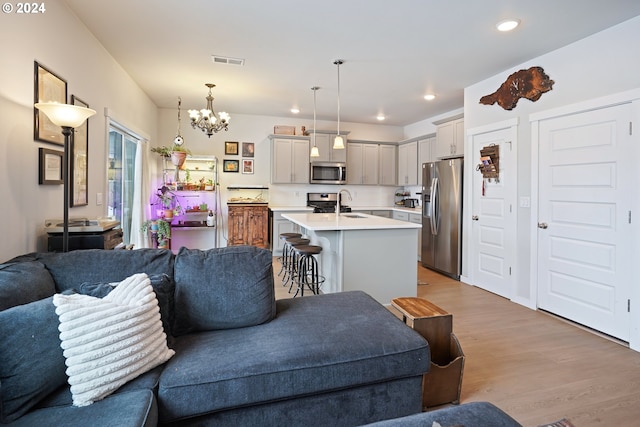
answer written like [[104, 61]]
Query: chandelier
[[206, 119]]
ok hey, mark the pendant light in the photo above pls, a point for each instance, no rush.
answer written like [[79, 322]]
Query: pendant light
[[314, 149], [338, 143]]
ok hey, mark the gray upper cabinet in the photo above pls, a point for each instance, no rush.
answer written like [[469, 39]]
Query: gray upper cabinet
[[362, 163], [290, 160], [408, 163], [324, 142], [388, 165], [449, 139]]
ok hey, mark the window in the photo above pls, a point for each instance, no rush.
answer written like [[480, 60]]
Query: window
[[121, 177]]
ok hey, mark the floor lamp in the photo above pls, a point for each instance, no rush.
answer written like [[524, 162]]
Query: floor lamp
[[68, 117]]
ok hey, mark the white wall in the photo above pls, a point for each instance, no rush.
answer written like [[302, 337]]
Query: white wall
[[57, 40], [603, 64]]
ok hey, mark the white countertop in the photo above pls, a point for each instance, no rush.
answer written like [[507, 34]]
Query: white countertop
[[291, 208], [276, 208], [326, 222]]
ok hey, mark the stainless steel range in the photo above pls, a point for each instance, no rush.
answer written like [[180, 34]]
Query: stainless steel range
[[325, 203]]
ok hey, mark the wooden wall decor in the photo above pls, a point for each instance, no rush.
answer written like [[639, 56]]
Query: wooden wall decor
[[529, 84]]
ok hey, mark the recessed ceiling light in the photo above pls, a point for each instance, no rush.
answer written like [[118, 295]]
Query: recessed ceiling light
[[295, 110], [380, 117], [508, 24], [430, 97]]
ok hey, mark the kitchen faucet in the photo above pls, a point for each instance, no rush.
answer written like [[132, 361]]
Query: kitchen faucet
[[338, 208]]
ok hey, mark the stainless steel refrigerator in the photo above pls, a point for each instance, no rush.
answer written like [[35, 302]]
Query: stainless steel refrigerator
[[442, 216]]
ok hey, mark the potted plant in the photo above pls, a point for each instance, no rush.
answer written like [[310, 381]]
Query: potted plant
[[167, 198], [177, 153], [160, 230]]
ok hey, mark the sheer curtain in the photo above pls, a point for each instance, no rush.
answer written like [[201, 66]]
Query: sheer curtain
[[140, 192]]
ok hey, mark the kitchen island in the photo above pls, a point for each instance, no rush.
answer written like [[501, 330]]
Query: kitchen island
[[363, 252]]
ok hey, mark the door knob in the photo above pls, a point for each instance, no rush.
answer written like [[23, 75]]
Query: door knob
[[542, 225], [475, 217]]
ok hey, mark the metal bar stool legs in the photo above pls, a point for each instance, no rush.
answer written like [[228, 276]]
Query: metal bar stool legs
[[291, 261], [308, 272], [286, 251]]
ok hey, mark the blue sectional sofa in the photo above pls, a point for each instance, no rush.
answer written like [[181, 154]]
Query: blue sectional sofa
[[241, 357]]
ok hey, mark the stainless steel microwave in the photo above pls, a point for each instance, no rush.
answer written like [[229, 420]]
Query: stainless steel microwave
[[328, 173]]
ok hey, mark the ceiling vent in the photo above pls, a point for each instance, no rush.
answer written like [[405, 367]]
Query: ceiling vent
[[227, 60]]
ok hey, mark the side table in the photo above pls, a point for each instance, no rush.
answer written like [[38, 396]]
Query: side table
[[443, 383]]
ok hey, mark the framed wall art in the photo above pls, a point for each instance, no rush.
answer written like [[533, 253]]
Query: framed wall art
[[50, 167], [247, 165], [79, 160], [48, 87], [248, 149], [230, 165], [231, 148]]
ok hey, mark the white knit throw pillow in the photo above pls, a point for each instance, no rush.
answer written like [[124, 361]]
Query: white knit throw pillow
[[110, 341]]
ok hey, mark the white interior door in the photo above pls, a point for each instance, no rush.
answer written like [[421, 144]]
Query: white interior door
[[584, 230], [494, 217]]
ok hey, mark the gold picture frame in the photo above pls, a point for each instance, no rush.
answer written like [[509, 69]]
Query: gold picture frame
[[48, 87], [231, 148]]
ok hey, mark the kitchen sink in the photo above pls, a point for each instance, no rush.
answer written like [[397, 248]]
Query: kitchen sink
[[353, 215]]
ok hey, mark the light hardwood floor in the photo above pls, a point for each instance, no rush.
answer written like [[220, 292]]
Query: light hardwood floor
[[534, 366]]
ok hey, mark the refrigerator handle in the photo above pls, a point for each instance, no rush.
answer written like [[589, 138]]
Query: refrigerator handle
[[434, 205]]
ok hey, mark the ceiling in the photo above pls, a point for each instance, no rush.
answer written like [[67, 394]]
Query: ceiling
[[394, 52]]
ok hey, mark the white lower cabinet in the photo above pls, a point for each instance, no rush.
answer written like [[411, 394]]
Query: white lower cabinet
[[281, 225], [411, 217]]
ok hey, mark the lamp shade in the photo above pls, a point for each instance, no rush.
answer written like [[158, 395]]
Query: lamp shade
[[65, 115]]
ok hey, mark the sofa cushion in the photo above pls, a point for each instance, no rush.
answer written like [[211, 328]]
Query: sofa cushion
[[223, 288], [474, 414], [24, 282], [162, 285], [315, 344], [131, 409], [69, 270], [31, 360], [109, 341]]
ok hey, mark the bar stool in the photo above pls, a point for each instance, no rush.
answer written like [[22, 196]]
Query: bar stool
[[291, 260], [285, 250], [308, 272]]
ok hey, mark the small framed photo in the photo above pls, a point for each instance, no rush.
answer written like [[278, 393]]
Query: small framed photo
[[230, 148], [248, 149], [230, 165], [247, 165], [79, 160], [50, 167], [48, 87]]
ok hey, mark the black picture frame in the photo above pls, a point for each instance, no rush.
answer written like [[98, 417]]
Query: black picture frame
[[50, 166], [47, 87], [231, 148], [79, 161], [248, 149], [230, 166]]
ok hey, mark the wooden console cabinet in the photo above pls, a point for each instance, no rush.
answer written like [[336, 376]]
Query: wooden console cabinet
[[248, 225]]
